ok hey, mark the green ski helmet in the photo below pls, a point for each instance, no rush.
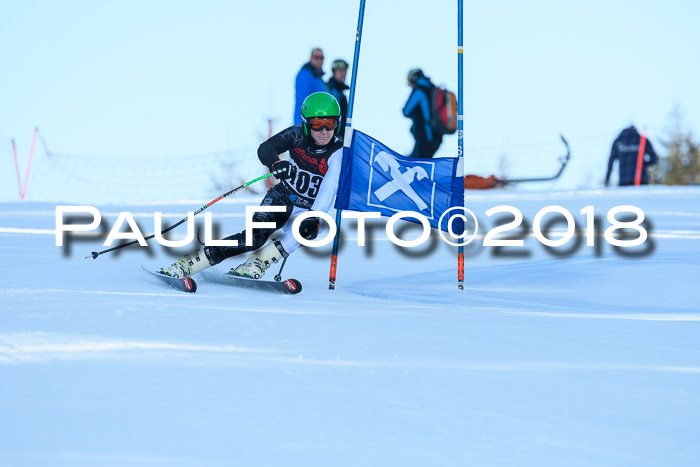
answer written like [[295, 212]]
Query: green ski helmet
[[319, 104]]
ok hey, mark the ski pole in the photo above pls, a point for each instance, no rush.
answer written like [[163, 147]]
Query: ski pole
[[95, 254], [278, 276]]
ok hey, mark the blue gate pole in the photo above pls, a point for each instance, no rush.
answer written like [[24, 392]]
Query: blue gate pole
[[347, 138], [460, 126]]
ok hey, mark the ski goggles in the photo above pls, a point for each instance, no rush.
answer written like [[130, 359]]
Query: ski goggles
[[328, 124]]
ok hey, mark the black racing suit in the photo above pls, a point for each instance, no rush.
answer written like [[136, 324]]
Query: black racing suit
[[309, 166]]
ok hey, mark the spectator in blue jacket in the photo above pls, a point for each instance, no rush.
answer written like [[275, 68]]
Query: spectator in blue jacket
[[308, 81], [417, 108], [625, 149]]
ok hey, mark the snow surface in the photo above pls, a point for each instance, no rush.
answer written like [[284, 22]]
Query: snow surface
[[592, 358]]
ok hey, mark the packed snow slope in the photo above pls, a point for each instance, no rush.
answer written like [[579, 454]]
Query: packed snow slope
[[580, 355]]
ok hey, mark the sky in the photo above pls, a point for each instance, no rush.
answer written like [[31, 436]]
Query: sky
[[157, 80]]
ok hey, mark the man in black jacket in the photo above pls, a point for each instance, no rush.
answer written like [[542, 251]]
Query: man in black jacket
[[337, 88], [625, 149]]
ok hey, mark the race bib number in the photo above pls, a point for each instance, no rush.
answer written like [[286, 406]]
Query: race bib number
[[304, 183]]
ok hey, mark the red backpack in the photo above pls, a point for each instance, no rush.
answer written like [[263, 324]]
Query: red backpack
[[443, 112]]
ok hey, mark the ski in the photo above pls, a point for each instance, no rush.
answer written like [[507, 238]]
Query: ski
[[287, 286], [186, 285]]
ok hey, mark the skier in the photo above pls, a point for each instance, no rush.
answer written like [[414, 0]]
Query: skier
[[309, 180]]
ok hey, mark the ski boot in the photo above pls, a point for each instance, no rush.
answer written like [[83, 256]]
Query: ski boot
[[260, 261], [188, 265]]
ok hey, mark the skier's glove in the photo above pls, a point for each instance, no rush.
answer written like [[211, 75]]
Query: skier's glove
[[282, 170], [309, 227]]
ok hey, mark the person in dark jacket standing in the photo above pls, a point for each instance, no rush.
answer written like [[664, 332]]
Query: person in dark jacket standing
[[337, 88], [417, 108], [625, 150], [308, 81]]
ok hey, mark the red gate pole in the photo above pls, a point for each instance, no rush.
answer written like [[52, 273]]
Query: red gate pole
[[640, 158], [19, 181]]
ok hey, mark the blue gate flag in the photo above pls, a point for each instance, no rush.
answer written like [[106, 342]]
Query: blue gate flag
[[375, 178]]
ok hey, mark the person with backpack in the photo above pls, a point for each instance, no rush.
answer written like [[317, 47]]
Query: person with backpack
[[419, 109], [308, 181]]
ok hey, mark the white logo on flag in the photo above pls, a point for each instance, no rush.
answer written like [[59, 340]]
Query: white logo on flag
[[400, 181]]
